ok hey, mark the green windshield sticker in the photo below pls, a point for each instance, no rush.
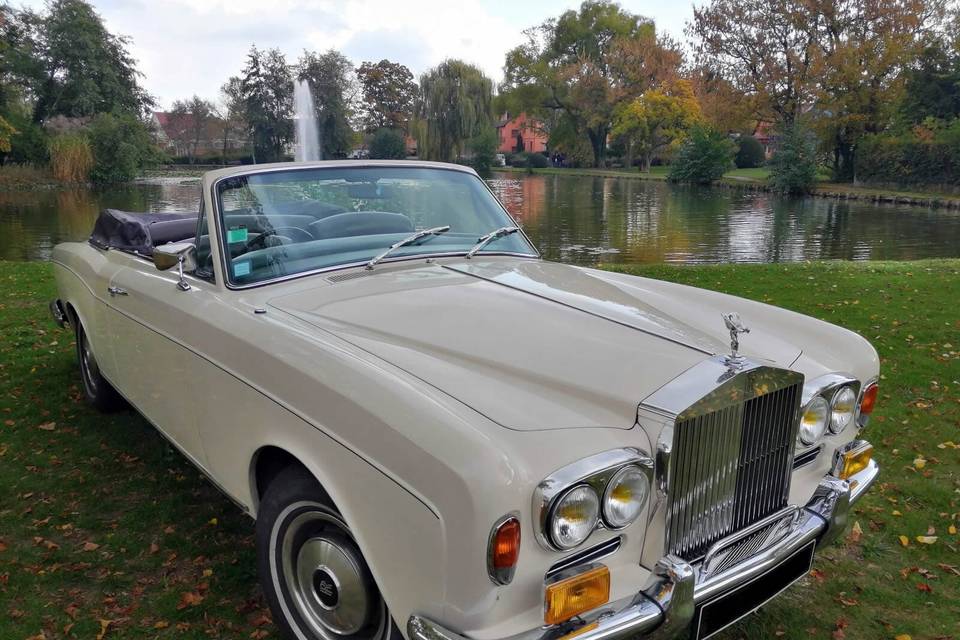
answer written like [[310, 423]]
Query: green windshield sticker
[[241, 268], [236, 234]]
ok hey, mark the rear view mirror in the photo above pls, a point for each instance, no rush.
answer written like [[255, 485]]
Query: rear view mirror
[[182, 255]]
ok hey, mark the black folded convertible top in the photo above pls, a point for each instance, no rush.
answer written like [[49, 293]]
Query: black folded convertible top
[[141, 232]]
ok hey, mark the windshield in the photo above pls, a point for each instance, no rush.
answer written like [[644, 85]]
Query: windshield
[[292, 221]]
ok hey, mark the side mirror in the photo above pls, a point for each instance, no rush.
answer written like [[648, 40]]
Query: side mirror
[[182, 255]]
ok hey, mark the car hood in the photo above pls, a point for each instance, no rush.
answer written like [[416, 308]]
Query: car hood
[[531, 344]]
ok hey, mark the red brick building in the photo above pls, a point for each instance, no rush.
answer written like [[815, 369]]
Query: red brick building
[[521, 133]]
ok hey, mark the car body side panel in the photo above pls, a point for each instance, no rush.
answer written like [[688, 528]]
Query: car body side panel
[[83, 274], [150, 323]]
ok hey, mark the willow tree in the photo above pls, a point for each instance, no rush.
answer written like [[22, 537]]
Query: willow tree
[[455, 104]]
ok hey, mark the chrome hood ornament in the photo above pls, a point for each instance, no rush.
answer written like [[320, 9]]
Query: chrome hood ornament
[[736, 327]]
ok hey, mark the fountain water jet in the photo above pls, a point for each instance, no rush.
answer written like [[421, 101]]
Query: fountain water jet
[[305, 118]]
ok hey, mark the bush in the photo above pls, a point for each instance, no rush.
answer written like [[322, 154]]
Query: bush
[[793, 167], [910, 159], [121, 148], [29, 144], [537, 161], [484, 149], [70, 157], [751, 154], [388, 144], [703, 157]]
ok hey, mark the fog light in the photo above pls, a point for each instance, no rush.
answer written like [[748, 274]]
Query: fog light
[[852, 459], [572, 596]]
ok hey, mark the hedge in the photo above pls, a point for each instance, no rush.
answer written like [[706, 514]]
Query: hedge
[[908, 160]]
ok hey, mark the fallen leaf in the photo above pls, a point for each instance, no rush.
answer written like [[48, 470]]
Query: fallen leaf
[[926, 539], [3, 546], [952, 530], [189, 599], [154, 547], [104, 625], [903, 636], [923, 586], [212, 522], [47, 426], [904, 541], [896, 513], [856, 532], [161, 624], [90, 546], [919, 462]]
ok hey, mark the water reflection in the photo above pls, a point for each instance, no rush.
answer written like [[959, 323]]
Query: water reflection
[[601, 219], [582, 220], [32, 222]]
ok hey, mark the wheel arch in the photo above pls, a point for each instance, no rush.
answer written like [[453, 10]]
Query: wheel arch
[[267, 463]]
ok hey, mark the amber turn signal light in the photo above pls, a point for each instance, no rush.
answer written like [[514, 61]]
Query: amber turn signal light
[[504, 550], [869, 399], [855, 460], [574, 595]]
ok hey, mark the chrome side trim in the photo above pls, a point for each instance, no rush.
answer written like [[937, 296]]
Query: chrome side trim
[[593, 554], [596, 471]]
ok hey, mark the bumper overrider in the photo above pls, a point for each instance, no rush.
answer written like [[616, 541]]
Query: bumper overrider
[[680, 596]]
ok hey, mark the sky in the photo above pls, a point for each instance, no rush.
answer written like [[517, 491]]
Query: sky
[[187, 47]]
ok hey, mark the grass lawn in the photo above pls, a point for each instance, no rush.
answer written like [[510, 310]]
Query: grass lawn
[[106, 532]]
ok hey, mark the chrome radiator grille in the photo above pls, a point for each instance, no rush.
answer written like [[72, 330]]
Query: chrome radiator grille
[[730, 468]]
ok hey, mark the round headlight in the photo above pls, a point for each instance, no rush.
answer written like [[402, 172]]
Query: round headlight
[[574, 517], [843, 407], [814, 420], [625, 496]]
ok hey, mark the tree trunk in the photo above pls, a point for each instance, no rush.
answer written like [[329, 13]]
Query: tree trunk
[[598, 141], [646, 161]]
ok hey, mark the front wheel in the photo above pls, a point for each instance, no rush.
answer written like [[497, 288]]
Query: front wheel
[[313, 575]]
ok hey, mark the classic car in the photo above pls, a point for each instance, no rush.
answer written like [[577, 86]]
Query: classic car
[[443, 436]]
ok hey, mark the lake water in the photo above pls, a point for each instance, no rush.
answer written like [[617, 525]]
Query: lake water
[[584, 220]]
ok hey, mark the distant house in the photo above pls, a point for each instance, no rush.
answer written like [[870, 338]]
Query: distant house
[[521, 133], [764, 135], [177, 135]]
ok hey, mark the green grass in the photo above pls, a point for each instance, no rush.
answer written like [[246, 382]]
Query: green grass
[[71, 476]]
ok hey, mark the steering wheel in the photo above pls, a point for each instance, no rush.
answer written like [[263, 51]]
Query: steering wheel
[[260, 240]]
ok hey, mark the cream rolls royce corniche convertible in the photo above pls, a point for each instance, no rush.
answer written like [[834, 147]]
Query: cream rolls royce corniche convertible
[[442, 436]]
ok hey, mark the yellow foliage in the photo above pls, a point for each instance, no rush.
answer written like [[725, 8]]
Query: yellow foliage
[[659, 119], [6, 134]]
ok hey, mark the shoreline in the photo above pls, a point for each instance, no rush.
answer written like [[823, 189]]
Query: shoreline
[[831, 190]]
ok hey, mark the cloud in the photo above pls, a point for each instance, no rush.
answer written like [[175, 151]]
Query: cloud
[[187, 47]]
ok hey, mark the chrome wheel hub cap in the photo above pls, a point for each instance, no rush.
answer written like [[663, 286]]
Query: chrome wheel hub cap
[[326, 577]]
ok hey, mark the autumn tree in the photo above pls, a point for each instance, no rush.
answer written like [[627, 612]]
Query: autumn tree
[[266, 87], [454, 104], [585, 63], [657, 120], [191, 122], [388, 95], [331, 79], [767, 47], [865, 49]]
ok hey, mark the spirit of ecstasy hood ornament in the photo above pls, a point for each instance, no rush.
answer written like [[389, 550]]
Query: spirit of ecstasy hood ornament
[[736, 327]]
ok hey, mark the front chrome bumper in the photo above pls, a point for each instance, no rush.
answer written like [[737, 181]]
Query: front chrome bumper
[[667, 608]]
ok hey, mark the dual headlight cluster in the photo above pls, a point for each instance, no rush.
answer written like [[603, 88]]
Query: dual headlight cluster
[[614, 503], [831, 410]]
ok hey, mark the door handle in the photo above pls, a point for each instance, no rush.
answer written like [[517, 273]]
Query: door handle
[[116, 291]]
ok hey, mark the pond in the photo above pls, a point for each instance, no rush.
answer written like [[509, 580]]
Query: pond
[[583, 220]]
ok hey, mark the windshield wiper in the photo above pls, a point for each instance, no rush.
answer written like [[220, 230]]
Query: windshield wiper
[[490, 237], [435, 231]]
